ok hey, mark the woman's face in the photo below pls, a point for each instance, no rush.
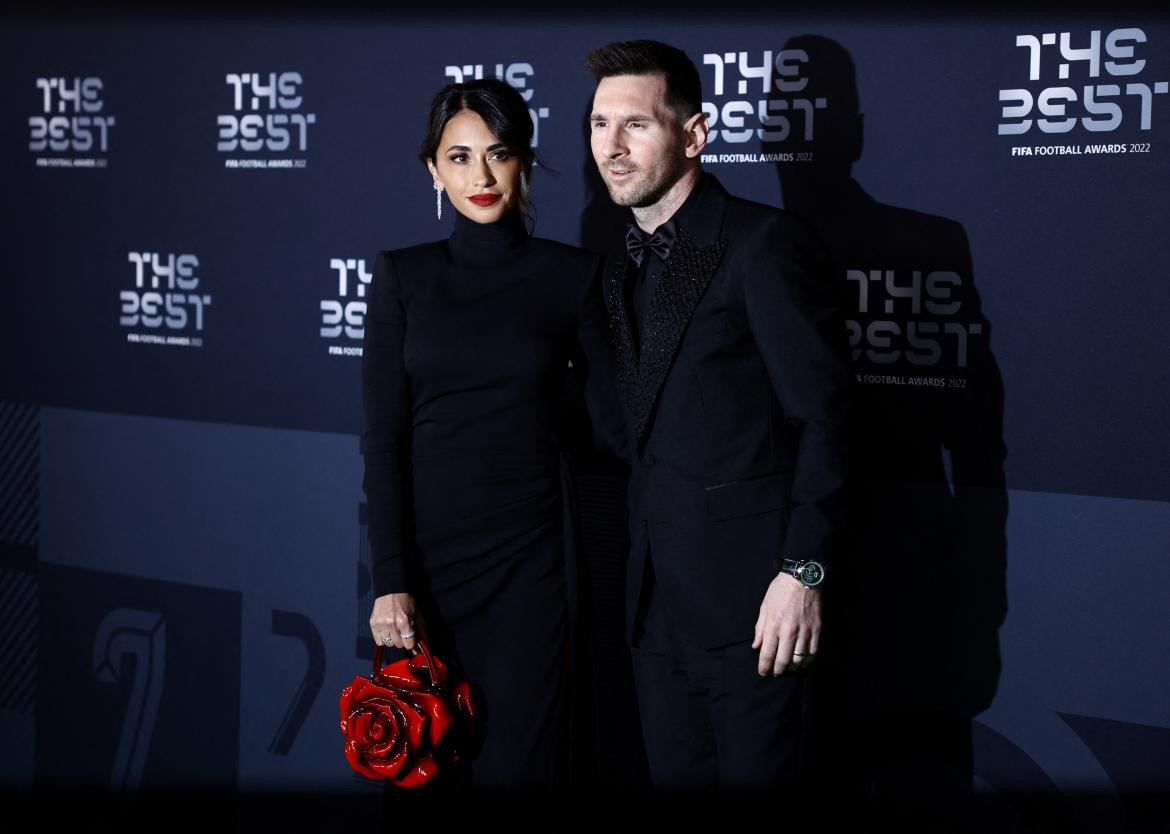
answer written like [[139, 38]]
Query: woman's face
[[480, 175]]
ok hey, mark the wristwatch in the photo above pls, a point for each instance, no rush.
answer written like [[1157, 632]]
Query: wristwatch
[[808, 573]]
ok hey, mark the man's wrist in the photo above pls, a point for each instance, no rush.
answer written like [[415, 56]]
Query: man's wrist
[[808, 572]]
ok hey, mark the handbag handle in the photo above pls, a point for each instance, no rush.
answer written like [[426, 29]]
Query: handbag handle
[[426, 653]]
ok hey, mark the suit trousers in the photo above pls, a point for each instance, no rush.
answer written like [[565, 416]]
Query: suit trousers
[[710, 721]]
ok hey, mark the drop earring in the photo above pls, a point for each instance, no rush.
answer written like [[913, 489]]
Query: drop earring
[[438, 202]]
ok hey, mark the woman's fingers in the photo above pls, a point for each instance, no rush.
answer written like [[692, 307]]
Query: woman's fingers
[[392, 621], [404, 626]]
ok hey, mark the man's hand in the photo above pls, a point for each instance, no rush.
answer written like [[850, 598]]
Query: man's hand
[[789, 627], [394, 616]]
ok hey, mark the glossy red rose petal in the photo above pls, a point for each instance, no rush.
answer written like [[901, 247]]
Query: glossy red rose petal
[[392, 766], [402, 677], [354, 755], [438, 713], [461, 695], [424, 769]]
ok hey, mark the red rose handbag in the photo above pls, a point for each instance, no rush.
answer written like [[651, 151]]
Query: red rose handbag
[[403, 724]]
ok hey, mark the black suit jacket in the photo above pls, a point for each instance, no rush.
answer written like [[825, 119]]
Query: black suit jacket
[[736, 402]]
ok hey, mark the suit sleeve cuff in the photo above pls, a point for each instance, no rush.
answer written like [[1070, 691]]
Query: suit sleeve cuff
[[390, 577]]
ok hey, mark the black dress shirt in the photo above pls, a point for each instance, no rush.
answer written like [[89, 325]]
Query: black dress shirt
[[641, 281]]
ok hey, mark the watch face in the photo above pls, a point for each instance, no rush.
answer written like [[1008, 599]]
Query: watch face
[[811, 573]]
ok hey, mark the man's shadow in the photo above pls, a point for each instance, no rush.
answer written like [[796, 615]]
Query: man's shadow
[[911, 650]]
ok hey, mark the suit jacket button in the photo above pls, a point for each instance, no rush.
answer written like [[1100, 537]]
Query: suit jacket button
[[643, 522]]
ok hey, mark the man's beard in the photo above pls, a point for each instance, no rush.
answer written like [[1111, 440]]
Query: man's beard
[[648, 193]]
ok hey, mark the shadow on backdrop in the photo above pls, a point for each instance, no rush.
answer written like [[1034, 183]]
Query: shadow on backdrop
[[912, 652]]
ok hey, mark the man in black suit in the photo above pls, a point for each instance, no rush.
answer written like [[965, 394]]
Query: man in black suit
[[732, 360]]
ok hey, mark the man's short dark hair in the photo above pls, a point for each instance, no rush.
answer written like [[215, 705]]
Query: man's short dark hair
[[684, 90]]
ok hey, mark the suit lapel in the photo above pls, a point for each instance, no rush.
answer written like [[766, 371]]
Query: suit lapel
[[694, 259], [620, 329], [681, 284]]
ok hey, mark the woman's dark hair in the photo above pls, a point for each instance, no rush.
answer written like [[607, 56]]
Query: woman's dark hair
[[684, 90], [501, 107]]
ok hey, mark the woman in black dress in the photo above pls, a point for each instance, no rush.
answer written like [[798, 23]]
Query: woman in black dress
[[466, 358]]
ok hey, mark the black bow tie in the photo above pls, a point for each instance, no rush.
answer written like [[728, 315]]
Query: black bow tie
[[638, 241]]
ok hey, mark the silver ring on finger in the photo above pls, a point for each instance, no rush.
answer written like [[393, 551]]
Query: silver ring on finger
[[387, 640], [406, 635]]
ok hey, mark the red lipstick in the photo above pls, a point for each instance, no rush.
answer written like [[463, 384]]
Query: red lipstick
[[485, 199]]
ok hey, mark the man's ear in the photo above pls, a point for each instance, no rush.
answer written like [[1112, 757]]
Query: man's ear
[[696, 130]]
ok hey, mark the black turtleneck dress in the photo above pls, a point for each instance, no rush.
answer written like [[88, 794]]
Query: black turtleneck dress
[[466, 360]]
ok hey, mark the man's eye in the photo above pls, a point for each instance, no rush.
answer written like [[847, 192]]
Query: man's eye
[[598, 124], [637, 124]]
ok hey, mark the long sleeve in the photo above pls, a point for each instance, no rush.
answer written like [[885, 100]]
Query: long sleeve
[[801, 337], [386, 432]]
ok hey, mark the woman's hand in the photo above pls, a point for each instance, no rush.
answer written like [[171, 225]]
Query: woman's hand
[[393, 622]]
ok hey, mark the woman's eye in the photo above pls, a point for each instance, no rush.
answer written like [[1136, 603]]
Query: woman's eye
[[501, 155], [458, 157]]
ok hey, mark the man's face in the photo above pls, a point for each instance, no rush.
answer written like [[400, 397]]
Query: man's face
[[637, 142]]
